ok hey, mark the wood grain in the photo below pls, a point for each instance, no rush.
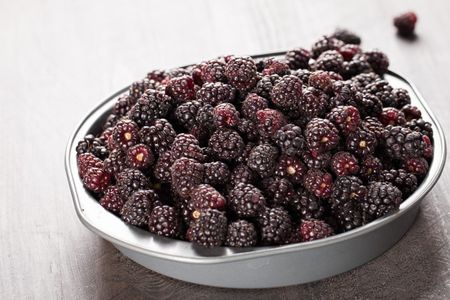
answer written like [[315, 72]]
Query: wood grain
[[59, 58]]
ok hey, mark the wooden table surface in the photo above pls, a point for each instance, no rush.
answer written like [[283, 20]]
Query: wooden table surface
[[59, 58]]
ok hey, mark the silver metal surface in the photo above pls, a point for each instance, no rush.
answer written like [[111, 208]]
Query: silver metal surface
[[261, 267]]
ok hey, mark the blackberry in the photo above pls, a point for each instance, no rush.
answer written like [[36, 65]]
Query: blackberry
[[402, 143], [138, 88], [321, 80], [177, 72], [139, 156], [383, 90], [290, 140], [346, 118], [287, 92], [428, 150], [241, 73], [123, 105], [205, 196], [321, 135], [348, 51], [276, 226], [187, 173], [401, 96], [263, 159], [291, 168], [345, 201], [115, 162], [181, 88], [186, 145], [243, 158], [164, 220], [226, 144], [241, 233], [225, 115], [302, 74], [306, 205], [208, 228], [392, 116], [325, 44], [159, 136], [110, 121], [96, 180], [280, 191], [204, 116], [252, 104], [377, 60], [241, 174], [330, 60], [344, 163], [363, 80], [417, 166], [361, 142], [368, 104], [248, 130], [91, 144], [345, 93], [246, 201], [373, 125], [404, 181], [151, 106], [265, 85], [355, 66], [275, 66], [346, 36], [406, 23], [382, 198], [213, 71], [411, 112], [129, 181], [86, 161], [125, 134], [316, 160], [216, 173], [112, 201], [186, 114], [216, 93], [422, 126], [298, 58], [162, 167], [157, 75], [137, 209], [371, 168], [311, 230], [269, 121], [318, 183]]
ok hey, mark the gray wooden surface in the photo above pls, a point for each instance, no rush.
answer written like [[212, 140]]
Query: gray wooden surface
[[59, 58]]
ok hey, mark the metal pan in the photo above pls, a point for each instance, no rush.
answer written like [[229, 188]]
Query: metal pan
[[259, 267]]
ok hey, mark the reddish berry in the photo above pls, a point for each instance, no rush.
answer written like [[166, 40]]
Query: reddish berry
[[269, 121], [371, 168], [241, 73], [96, 180], [213, 71], [140, 156], [392, 116], [346, 118], [181, 88], [252, 104], [348, 51], [411, 112], [416, 165], [112, 200], [225, 115], [298, 58], [312, 229], [321, 135], [291, 168], [343, 163], [406, 23], [205, 196], [86, 161], [125, 134], [428, 150], [275, 66], [319, 183]]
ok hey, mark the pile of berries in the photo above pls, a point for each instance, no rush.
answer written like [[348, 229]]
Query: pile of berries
[[241, 152]]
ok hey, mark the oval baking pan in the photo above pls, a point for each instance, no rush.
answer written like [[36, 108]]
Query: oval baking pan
[[259, 267]]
